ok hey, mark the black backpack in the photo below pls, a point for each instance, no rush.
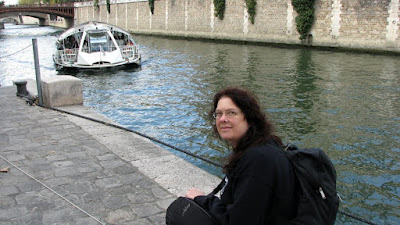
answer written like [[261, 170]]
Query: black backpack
[[318, 199], [185, 211]]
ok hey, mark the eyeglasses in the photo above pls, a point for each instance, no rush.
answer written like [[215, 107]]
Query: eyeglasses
[[229, 114]]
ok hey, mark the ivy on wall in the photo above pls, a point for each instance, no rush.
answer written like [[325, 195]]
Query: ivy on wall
[[251, 9], [219, 8], [305, 18], [151, 5], [108, 6], [96, 3]]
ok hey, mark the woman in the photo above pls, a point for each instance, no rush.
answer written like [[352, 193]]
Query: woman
[[260, 184]]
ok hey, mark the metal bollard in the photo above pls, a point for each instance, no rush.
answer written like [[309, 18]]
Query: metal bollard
[[21, 88]]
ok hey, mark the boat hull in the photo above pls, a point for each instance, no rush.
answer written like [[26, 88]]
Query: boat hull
[[135, 62]]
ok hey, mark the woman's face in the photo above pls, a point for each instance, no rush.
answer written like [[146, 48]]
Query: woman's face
[[230, 121]]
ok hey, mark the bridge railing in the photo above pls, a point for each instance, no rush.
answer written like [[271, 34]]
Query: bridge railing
[[39, 5]]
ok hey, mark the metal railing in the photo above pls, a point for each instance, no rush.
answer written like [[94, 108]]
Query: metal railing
[[128, 51], [66, 56], [39, 5]]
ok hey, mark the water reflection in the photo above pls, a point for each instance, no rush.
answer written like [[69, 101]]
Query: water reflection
[[305, 92], [219, 68], [344, 103], [251, 61]]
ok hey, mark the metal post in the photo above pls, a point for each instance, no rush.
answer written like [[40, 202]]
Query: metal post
[[37, 70]]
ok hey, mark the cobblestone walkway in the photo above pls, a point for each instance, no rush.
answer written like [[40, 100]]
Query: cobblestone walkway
[[78, 179]]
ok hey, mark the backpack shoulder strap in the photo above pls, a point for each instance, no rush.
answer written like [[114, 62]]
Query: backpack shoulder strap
[[219, 187]]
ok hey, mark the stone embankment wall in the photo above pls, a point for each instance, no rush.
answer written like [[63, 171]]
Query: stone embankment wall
[[354, 24]]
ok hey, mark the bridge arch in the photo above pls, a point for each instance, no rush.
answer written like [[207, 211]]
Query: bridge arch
[[42, 17], [41, 12], [13, 20]]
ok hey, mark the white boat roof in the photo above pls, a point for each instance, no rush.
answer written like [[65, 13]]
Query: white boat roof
[[91, 25]]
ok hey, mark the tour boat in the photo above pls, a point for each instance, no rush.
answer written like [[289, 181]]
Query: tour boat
[[95, 45]]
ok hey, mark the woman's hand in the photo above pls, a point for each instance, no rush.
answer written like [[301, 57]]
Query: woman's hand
[[193, 192]]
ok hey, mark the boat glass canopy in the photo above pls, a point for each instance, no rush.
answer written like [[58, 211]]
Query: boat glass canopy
[[99, 42]]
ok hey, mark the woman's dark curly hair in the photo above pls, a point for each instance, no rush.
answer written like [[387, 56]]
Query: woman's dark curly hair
[[260, 128]]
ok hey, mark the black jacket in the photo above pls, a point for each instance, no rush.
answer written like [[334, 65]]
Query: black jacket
[[260, 190]]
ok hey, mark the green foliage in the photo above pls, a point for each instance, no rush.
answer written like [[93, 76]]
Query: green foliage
[[251, 9], [2, 3], [108, 6], [96, 3], [151, 4], [219, 8], [305, 18], [28, 2]]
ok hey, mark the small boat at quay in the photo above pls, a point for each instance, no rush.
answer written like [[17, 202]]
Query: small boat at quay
[[95, 45]]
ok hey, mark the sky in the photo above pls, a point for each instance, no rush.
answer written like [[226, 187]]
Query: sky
[[10, 2]]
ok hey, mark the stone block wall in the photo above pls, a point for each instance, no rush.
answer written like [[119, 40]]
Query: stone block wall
[[324, 13], [271, 18], [358, 24], [198, 16], [365, 20], [143, 17], [175, 15], [233, 18], [159, 20]]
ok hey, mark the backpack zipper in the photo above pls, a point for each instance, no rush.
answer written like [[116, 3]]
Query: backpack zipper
[[322, 193]]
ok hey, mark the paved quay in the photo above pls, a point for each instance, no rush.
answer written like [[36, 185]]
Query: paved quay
[[62, 169]]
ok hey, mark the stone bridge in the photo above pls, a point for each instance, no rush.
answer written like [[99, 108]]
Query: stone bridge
[[40, 11]]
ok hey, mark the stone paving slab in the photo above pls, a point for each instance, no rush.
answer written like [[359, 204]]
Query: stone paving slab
[[171, 172], [66, 170]]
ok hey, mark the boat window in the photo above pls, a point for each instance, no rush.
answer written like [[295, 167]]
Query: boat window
[[100, 42], [70, 42], [120, 38], [123, 39], [78, 37]]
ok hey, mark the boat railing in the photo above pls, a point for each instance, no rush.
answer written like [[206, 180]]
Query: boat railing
[[67, 55], [129, 51]]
